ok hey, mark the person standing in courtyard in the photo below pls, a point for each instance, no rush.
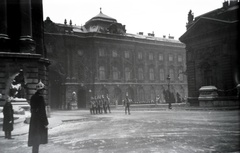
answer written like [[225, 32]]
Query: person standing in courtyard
[[107, 99], [92, 109], [8, 119], [127, 105], [38, 128], [104, 104]]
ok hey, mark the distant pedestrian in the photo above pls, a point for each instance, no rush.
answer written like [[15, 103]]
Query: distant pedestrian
[[38, 128], [95, 104], [127, 105], [92, 110], [100, 105], [107, 100], [8, 119], [104, 104]]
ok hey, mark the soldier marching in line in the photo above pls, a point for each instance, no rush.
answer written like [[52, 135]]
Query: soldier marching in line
[[101, 105], [107, 101], [104, 104], [96, 105], [92, 106]]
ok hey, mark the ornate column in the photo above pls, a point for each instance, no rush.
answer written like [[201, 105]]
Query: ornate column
[[3, 25], [26, 42]]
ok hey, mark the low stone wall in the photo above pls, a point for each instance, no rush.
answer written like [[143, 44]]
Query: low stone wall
[[219, 102]]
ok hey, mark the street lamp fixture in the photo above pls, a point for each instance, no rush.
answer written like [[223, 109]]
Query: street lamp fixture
[[169, 102]]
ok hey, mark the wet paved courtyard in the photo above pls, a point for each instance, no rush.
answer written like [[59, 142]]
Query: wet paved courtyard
[[142, 131]]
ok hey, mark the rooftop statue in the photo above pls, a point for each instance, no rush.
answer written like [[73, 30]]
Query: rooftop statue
[[190, 16]]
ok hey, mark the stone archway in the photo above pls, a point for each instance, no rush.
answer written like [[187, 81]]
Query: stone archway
[[117, 96], [55, 92], [82, 98], [130, 93], [104, 91], [141, 94]]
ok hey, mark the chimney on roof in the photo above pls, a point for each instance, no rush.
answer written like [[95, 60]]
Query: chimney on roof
[[151, 34], [170, 37], [225, 4]]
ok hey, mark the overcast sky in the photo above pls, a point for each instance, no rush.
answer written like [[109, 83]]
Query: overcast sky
[[163, 17]]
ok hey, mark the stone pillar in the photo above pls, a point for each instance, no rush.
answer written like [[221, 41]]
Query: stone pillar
[[3, 20], [3, 26], [26, 42]]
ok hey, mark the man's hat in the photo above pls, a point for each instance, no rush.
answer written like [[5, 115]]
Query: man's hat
[[40, 85]]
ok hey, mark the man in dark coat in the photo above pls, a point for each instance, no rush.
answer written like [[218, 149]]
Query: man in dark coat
[[107, 104], [8, 119], [38, 130], [127, 102]]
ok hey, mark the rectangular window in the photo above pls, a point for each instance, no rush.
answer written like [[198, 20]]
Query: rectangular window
[[171, 72], [116, 74], [161, 74], [127, 54], [101, 52], [160, 57], [170, 57], [180, 75], [114, 53], [127, 74], [140, 73], [180, 58], [150, 56], [151, 74], [140, 55], [102, 72]]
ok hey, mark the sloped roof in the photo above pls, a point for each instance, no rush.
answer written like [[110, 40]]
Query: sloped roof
[[204, 20], [216, 18]]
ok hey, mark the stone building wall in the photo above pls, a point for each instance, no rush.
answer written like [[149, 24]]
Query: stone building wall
[[80, 60]]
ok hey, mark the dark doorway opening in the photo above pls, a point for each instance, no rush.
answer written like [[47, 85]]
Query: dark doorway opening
[[55, 90], [81, 98]]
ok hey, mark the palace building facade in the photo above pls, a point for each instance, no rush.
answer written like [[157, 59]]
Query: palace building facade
[[100, 58]]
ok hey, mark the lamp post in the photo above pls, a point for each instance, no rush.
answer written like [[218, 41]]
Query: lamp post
[[169, 102]]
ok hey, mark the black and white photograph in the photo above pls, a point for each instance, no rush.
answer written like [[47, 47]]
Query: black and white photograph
[[119, 76]]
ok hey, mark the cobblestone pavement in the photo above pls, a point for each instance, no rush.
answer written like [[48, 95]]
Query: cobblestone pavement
[[140, 132]]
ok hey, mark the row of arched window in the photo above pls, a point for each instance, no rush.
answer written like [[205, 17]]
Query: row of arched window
[[140, 55], [116, 74]]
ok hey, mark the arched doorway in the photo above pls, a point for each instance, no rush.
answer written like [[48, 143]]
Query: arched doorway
[[103, 91], [117, 96], [152, 95], [55, 87], [141, 95], [82, 98], [130, 93]]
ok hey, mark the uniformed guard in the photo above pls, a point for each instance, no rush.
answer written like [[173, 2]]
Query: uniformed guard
[[96, 105], [100, 105], [104, 104], [91, 106], [107, 99]]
